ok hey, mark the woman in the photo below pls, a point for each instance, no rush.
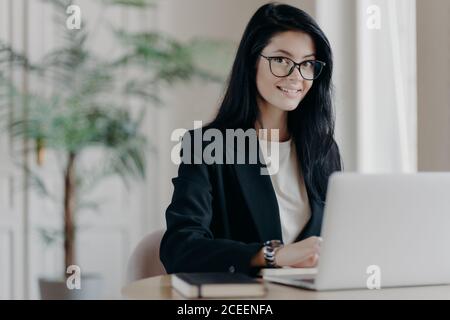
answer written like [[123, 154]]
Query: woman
[[232, 218]]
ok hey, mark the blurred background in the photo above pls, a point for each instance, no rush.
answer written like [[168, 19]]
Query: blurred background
[[91, 91]]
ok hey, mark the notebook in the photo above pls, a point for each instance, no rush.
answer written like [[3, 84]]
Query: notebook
[[217, 285]]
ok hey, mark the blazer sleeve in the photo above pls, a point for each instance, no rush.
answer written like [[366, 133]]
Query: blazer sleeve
[[188, 244]]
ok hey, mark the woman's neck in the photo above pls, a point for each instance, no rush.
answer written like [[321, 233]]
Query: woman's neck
[[272, 118]]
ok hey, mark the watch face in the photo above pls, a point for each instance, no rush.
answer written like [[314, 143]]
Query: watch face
[[269, 251], [274, 243]]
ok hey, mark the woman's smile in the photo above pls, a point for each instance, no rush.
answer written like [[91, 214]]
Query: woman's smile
[[292, 93]]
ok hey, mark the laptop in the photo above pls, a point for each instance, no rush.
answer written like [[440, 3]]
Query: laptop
[[382, 230]]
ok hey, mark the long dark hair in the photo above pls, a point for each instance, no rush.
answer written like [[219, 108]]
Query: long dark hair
[[312, 123]]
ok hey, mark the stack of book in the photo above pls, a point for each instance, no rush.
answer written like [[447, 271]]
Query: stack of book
[[217, 285]]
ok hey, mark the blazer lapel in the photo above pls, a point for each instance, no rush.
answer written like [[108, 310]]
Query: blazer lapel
[[260, 198]]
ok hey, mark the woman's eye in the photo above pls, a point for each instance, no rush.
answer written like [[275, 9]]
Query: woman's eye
[[280, 60]]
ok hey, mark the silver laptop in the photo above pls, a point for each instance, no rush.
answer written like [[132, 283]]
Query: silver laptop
[[382, 231]]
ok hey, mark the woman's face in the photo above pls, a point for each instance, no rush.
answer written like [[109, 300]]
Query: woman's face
[[296, 45]]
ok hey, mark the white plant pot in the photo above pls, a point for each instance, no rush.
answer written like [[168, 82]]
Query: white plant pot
[[56, 288]]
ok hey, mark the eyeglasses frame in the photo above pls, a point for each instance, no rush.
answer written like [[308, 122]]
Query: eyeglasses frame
[[296, 65]]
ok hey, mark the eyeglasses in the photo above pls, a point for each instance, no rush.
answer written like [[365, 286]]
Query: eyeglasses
[[282, 67]]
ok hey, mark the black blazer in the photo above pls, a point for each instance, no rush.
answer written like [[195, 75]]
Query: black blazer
[[220, 215]]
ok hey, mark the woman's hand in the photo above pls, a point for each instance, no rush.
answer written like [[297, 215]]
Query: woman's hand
[[302, 254]]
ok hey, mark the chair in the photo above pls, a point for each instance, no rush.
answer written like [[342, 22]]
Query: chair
[[144, 261]]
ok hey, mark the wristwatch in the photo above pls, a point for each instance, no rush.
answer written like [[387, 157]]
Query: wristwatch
[[269, 250]]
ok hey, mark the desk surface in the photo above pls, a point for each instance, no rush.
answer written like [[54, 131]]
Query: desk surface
[[156, 288]]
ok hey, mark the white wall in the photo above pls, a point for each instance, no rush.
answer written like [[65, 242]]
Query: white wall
[[338, 20], [13, 252], [433, 39]]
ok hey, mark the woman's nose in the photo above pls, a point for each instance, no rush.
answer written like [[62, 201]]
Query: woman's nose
[[295, 75]]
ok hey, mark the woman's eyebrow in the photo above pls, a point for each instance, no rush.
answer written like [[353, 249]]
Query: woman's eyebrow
[[291, 56]]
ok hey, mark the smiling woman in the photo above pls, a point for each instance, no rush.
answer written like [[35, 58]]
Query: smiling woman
[[229, 217], [281, 73]]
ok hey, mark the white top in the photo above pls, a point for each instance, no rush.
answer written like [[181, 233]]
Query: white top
[[289, 187]]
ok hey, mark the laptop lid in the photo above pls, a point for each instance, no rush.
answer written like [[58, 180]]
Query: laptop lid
[[387, 230]]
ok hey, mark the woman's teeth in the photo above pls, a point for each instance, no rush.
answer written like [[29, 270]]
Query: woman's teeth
[[288, 90]]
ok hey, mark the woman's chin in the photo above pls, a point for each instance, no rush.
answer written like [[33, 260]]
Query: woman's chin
[[289, 107], [285, 105]]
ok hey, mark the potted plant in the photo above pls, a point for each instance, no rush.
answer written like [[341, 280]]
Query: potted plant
[[82, 114]]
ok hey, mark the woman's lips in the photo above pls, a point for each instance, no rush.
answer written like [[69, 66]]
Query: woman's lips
[[290, 92]]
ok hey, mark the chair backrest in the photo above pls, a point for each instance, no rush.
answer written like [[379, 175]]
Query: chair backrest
[[144, 261]]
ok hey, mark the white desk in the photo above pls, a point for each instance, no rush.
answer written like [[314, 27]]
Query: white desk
[[159, 288]]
